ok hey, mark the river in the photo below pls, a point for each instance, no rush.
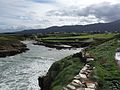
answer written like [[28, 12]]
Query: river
[[21, 72]]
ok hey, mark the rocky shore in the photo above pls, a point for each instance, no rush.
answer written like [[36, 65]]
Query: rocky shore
[[13, 51]]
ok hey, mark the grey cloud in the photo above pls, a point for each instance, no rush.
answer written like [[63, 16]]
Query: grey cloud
[[104, 11], [107, 12]]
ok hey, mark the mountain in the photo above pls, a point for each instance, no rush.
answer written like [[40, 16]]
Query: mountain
[[98, 27]]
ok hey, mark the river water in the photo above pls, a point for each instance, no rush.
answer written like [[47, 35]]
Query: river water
[[21, 72]]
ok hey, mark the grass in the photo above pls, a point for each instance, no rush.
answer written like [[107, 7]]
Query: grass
[[65, 69], [80, 39], [10, 42], [80, 36], [106, 71]]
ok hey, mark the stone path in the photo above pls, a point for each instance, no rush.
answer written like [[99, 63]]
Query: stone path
[[82, 81]]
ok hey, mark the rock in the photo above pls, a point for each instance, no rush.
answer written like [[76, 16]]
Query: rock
[[89, 89], [89, 71], [91, 85], [44, 82], [86, 73], [71, 87], [88, 76], [77, 81], [85, 89], [82, 71], [75, 84], [77, 77], [90, 59], [83, 76], [87, 65], [84, 68], [81, 89], [41, 82]]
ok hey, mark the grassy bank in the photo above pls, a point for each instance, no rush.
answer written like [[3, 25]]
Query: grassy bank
[[11, 45], [9, 42], [62, 72], [106, 71]]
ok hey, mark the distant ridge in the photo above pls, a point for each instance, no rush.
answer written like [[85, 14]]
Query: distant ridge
[[99, 27]]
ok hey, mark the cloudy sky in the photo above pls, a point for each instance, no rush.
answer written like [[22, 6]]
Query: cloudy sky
[[24, 14]]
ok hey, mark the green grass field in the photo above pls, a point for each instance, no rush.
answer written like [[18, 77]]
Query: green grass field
[[82, 36], [106, 70], [75, 37]]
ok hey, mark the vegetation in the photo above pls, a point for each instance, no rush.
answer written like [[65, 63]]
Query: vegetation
[[78, 36], [9, 42], [74, 39], [83, 37], [11, 45], [106, 71], [65, 70]]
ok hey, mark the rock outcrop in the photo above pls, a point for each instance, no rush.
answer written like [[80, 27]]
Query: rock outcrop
[[46, 81]]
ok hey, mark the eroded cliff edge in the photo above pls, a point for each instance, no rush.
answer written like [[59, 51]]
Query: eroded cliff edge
[[10, 45], [59, 72], [106, 71]]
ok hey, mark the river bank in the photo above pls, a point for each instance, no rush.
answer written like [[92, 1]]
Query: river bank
[[13, 49], [63, 45], [68, 41], [106, 72], [12, 52], [10, 46], [21, 71], [61, 73]]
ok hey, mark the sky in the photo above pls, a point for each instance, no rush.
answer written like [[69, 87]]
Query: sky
[[26, 14]]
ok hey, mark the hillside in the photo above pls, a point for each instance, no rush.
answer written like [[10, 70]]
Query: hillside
[[98, 27]]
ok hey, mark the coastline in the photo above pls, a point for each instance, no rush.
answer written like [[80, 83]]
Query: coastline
[[17, 49], [46, 82], [106, 73]]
